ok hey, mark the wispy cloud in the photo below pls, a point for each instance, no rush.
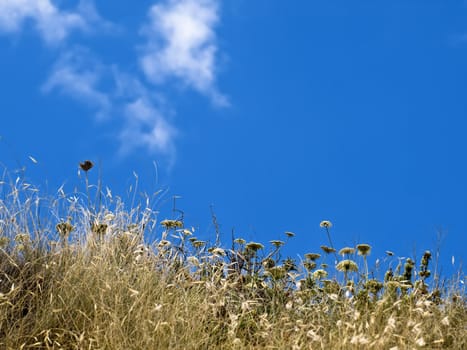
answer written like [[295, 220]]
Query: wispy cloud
[[147, 128], [53, 25], [117, 97], [181, 43], [78, 75]]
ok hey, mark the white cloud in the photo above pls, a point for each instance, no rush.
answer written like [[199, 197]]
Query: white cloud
[[146, 127], [53, 25], [182, 44], [78, 75], [113, 93]]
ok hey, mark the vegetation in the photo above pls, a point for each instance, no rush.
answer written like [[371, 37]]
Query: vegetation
[[77, 273]]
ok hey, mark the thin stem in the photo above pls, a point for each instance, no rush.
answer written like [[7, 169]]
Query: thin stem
[[330, 243]]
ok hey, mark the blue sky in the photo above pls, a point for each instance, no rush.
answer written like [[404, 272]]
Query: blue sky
[[279, 114]]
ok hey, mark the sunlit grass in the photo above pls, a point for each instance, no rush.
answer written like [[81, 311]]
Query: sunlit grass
[[76, 275]]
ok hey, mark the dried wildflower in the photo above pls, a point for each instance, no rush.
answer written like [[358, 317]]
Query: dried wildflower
[[268, 263], [99, 228], [388, 276], [363, 249], [408, 267], [325, 223], [312, 256], [373, 286], [309, 265], [187, 232], [22, 238], [240, 241], [289, 264], [198, 244], [64, 228], [164, 243], [86, 165], [347, 265], [168, 224], [320, 273], [346, 251], [192, 239], [289, 234], [4, 241], [217, 251], [389, 253], [327, 250], [109, 217], [277, 272], [254, 246], [277, 243]]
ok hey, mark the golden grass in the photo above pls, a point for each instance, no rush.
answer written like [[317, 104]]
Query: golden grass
[[83, 279]]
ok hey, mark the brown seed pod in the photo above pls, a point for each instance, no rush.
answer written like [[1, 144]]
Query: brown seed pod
[[86, 165]]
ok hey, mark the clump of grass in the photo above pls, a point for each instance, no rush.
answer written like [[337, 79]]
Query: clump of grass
[[86, 277]]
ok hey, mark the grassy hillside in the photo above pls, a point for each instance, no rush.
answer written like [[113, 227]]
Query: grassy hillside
[[76, 273]]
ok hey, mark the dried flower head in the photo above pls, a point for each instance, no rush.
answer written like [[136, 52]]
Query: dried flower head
[[268, 263], [346, 251], [347, 265], [289, 234], [327, 250], [168, 224], [320, 273], [99, 228], [363, 249], [309, 265], [64, 228], [277, 243], [277, 272], [86, 165], [217, 251], [198, 244], [312, 256], [325, 223], [240, 241], [389, 253], [254, 246]]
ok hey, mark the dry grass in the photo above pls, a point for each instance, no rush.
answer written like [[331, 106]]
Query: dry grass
[[74, 277]]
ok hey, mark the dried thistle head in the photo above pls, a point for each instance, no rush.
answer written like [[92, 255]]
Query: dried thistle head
[[289, 234], [363, 249], [64, 229], [86, 165], [325, 224], [99, 228]]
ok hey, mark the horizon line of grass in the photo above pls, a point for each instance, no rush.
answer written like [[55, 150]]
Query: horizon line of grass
[[85, 276]]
